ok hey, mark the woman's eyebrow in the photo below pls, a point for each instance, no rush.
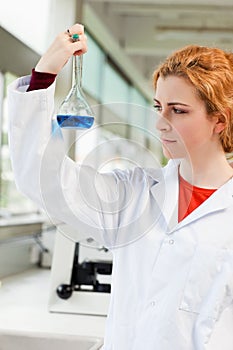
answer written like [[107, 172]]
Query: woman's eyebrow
[[173, 103]]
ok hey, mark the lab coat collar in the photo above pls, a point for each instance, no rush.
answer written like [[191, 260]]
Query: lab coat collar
[[166, 191], [219, 200], [166, 194]]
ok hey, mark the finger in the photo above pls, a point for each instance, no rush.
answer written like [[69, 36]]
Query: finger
[[65, 40], [76, 29], [81, 38], [79, 48], [79, 53]]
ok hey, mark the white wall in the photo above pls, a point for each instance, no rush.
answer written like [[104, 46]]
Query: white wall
[[27, 20]]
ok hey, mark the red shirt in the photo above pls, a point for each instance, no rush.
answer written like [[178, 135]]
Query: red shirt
[[190, 197]]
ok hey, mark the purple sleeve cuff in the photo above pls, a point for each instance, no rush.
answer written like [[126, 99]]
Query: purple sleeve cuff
[[41, 80]]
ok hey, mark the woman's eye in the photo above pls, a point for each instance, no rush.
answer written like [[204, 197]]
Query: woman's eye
[[158, 108], [178, 111]]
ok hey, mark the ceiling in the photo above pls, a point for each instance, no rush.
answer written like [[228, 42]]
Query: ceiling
[[147, 31]]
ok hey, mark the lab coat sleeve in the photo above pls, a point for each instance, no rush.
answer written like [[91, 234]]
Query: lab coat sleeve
[[222, 336], [75, 194]]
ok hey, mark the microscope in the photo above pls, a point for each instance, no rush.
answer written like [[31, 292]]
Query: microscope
[[85, 276], [80, 275]]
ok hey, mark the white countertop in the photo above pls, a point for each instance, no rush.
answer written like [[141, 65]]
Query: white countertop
[[24, 307], [13, 220]]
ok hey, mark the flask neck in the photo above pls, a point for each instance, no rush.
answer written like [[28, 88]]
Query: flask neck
[[77, 71]]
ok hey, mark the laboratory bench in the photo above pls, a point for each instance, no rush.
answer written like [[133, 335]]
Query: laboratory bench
[[15, 226], [24, 309]]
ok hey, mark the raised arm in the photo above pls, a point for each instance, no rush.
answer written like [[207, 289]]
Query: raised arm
[[96, 204], [42, 170]]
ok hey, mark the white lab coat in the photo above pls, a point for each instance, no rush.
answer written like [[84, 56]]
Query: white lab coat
[[172, 283]]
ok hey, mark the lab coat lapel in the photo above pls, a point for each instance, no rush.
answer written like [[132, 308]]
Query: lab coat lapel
[[166, 191]]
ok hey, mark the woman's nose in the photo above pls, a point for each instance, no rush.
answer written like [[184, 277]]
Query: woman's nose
[[162, 124]]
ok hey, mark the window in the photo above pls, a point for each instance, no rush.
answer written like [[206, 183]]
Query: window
[[115, 90], [93, 62]]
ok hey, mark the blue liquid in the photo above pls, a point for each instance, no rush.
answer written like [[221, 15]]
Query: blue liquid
[[74, 121]]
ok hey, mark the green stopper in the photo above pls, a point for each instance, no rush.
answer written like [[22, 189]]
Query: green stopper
[[75, 37]]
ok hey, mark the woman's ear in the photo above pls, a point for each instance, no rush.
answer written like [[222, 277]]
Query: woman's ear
[[221, 121], [220, 126]]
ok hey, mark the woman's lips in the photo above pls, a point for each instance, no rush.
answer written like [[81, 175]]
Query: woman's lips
[[167, 141]]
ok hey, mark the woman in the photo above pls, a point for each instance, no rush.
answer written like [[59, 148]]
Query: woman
[[170, 230]]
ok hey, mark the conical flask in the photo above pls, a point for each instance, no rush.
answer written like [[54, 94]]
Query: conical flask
[[75, 112]]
